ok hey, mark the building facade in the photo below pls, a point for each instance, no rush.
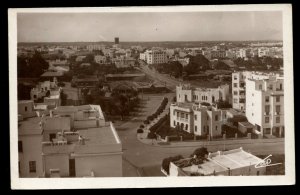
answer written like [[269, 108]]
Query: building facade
[[185, 93], [155, 56], [265, 105], [73, 141], [197, 119]]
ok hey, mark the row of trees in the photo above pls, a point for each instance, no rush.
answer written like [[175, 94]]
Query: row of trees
[[31, 67], [117, 104], [196, 63], [260, 63], [158, 111]]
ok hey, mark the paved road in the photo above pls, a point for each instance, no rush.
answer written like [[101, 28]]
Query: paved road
[[170, 82], [148, 158]]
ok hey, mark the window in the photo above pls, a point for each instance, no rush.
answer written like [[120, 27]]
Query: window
[[252, 94], [235, 77], [267, 108], [267, 119], [271, 87], [195, 117], [25, 108], [174, 123], [267, 131], [260, 87], [278, 109], [252, 114], [216, 128], [20, 146], [234, 84], [235, 92], [267, 98], [186, 116], [277, 98], [195, 128], [52, 136], [182, 115], [32, 166], [185, 97], [216, 117], [186, 127], [278, 119], [235, 100], [252, 104]]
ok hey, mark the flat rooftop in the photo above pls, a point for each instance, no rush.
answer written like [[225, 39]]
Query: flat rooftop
[[25, 101], [96, 141], [125, 75], [52, 74], [30, 126], [223, 161]]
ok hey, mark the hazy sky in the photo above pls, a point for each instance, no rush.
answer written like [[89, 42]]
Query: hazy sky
[[188, 26]]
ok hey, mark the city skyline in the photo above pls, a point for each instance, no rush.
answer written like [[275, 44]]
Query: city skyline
[[150, 27]]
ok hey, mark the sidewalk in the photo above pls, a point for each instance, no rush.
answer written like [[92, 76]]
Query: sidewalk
[[142, 137], [221, 142]]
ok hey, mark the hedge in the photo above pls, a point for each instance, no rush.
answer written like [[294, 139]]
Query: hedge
[[140, 131], [174, 138]]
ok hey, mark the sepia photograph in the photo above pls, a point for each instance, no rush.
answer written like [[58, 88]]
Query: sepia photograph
[[166, 96]]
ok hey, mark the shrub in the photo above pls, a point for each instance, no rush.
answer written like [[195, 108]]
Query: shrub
[[200, 152], [142, 126], [201, 137], [151, 135], [174, 138], [140, 131], [166, 162], [61, 84], [150, 118], [146, 122]]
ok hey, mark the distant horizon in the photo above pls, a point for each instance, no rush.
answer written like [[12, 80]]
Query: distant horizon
[[150, 26], [268, 40]]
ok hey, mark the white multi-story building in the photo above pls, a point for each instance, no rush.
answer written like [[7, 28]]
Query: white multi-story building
[[218, 54], [239, 87], [71, 142], [197, 119], [185, 93], [245, 53], [143, 56], [95, 47], [156, 56], [265, 104], [100, 59]]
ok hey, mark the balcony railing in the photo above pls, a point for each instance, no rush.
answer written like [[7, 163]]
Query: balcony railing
[[182, 119]]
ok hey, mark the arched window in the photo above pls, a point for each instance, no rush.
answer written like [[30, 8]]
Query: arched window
[[186, 127]]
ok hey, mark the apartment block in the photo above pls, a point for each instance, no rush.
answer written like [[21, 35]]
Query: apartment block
[[265, 105], [197, 119], [154, 56], [239, 87], [186, 93], [72, 141]]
